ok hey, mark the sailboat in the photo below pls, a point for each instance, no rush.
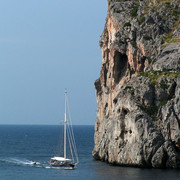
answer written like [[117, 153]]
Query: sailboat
[[72, 161]]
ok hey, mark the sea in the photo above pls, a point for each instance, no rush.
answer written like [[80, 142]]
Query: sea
[[22, 145]]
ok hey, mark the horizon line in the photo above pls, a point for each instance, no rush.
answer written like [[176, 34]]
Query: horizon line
[[46, 124]]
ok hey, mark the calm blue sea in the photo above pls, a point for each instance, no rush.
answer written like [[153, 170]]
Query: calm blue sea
[[21, 145]]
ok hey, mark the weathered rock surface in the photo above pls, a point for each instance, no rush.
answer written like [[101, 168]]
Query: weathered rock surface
[[138, 92], [169, 58]]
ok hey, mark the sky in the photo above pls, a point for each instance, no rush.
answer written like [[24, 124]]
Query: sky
[[45, 47]]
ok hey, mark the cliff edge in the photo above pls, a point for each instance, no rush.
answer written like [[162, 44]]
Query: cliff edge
[[138, 92]]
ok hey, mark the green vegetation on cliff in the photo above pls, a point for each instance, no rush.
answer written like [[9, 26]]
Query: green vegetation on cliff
[[154, 75]]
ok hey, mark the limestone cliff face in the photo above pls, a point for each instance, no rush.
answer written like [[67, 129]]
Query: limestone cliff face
[[138, 92]]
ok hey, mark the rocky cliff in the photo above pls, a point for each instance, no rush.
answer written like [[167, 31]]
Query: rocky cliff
[[138, 92]]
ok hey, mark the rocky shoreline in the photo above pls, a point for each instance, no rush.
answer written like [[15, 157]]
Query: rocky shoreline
[[138, 92]]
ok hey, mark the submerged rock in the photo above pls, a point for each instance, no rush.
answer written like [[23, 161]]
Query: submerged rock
[[138, 92]]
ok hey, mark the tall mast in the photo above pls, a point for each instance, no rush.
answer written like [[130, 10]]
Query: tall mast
[[65, 122]]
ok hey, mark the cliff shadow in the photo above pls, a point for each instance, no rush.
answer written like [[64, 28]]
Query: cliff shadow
[[120, 66]]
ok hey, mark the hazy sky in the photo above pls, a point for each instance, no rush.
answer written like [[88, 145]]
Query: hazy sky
[[45, 47]]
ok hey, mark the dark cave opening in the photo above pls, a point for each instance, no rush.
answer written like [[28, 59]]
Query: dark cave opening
[[105, 76], [120, 66], [115, 101]]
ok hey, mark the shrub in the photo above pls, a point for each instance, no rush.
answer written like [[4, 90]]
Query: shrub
[[127, 24], [147, 37], [162, 103], [132, 92], [127, 87], [153, 82], [164, 85], [141, 19], [134, 11], [149, 60], [151, 110], [175, 13]]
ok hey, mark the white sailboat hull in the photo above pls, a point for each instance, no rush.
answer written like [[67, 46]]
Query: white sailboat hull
[[63, 166], [62, 163]]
